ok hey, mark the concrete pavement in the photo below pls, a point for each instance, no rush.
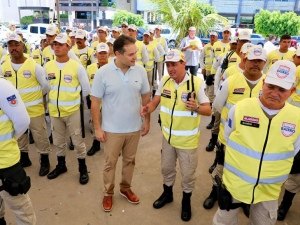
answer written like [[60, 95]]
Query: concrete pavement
[[63, 201]]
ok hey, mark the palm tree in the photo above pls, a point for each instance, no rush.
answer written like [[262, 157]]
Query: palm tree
[[182, 14]]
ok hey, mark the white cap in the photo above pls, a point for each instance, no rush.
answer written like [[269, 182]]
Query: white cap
[[102, 47], [174, 55], [124, 23], [213, 33], [43, 37], [297, 53], [111, 41], [69, 28], [146, 33], [227, 28], [51, 30], [192, 29], [244, 35], [151, 31], [245, 47], [132, 27], [256, 52], [81, 34], [63, 39], [13, 36], [233, 40], [103, 29], [115, 29], [282, 73], [158, 27], [72, 34]]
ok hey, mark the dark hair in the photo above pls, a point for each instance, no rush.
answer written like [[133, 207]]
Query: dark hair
[[121, 41], [285, 36]]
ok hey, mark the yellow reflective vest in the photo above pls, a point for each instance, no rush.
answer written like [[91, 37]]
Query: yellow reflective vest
[[180, 127], [64, 95], [27, 85], [260, 151], [84, 58], [219, 48], [238, 89], [91, 71], [9, 150], [37, 56], [150, 64], [139, 56], [47, 54], [296, 96], [208, 56], [275, 55]]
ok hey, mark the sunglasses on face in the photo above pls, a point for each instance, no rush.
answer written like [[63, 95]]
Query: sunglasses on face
[[124, 26]]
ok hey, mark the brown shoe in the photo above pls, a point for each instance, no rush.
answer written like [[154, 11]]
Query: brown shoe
[[107, 203], [130, 196]]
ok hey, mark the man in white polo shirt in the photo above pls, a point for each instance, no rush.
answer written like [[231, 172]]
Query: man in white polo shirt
[[121, 87]]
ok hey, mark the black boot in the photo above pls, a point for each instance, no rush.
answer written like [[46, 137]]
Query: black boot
[[25, 160], [31, 140], [212, 142], [59, 169], [186, 212], [213, 166], [84, 176], [45, 165], [71, 146], [211, 124], [51, 139], [246, 209], [2, 221], [211, 199], [166, 197], [285, 205], [95, 148]]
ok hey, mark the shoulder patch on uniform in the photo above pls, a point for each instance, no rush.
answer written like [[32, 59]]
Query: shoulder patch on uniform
[[12, 100]]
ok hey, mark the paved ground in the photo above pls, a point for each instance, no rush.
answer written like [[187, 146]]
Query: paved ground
[[64, 201]]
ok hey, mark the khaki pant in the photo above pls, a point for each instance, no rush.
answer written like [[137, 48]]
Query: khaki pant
[[61, 126], [216, 127], [21, 207], [292, 184], [188, 161], [116, 143], [39, 132], [160, 70], [263, 213], [210, 93]]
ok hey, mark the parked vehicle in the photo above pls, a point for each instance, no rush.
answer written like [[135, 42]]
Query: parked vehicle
[[34, 32], [297, 38], [257, 39]]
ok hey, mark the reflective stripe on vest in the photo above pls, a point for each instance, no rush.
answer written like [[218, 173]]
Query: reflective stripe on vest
[[27, 85], [64, 95], [238, 89], [259, 158], [180, 127], [9, 150]]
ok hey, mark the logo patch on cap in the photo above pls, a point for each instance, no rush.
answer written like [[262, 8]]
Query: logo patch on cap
[[282, 71], [170, 55], [288, 129], [257, 51]]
